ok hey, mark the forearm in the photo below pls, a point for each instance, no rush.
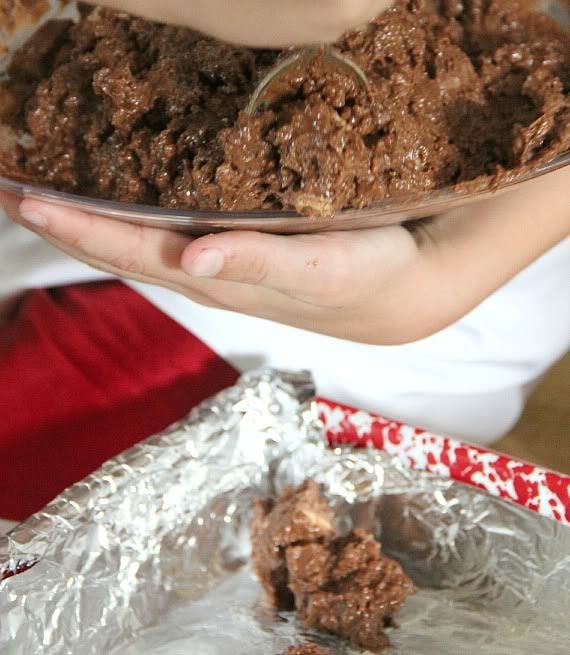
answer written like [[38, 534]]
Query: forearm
[[261, 23], [470, 253]]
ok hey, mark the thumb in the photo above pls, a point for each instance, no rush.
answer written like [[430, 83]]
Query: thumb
[[328, 268]]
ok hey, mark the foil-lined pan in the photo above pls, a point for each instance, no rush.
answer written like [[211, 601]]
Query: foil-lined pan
[[150, 554]]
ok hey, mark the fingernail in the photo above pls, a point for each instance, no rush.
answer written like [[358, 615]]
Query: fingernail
[[208, 263], [33, 218]]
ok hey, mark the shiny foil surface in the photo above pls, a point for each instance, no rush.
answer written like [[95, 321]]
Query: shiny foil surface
[[150, 554]]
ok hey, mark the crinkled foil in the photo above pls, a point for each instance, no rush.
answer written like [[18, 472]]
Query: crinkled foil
[[150, 553]]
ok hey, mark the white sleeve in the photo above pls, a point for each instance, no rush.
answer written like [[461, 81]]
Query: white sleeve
[[27, 261]]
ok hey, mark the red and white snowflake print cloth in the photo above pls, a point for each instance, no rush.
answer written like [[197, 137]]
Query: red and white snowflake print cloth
[[535, 488]]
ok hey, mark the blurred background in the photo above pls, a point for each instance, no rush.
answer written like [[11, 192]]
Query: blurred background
[[542, 436]]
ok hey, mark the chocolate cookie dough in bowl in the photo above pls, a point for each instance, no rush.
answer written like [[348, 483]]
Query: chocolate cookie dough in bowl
[[145, 122]]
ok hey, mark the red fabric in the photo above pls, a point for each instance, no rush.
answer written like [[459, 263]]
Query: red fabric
[[87, 371]]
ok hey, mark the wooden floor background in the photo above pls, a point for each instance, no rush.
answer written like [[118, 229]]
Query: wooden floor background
[[543, 434]]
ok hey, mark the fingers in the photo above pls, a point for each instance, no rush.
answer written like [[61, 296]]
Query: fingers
[[331, 270], [130, 249], [141, 254], [11, 205], [190, 293]]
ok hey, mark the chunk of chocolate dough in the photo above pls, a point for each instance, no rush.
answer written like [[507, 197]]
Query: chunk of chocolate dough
[[306, 649], [341, 585]]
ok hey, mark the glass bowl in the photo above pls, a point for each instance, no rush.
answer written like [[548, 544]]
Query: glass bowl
[[387, 212]]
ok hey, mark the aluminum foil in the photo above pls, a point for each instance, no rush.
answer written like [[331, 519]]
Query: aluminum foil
[[150, 554]]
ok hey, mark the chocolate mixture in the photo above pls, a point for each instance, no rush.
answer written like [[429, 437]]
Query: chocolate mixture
[[466, 93], [342, 585], [306, 649]]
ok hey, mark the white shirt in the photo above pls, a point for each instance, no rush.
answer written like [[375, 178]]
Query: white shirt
[[470, 380]]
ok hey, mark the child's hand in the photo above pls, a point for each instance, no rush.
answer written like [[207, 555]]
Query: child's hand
[[260, 23], [383, 286]]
